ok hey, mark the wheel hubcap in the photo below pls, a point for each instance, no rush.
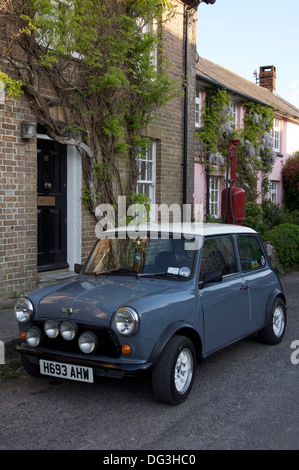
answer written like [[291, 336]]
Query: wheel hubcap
[[278, 321], [183, 371]]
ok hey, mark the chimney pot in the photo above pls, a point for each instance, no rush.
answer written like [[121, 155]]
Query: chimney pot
[[267, 77]]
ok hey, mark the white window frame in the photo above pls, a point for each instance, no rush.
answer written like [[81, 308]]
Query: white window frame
[[154, 52], [147, 28], [146, 183], [214, 196], [273, 191], [276, 135], [198, 107], [234, 113], [2, 92], [43, 40]]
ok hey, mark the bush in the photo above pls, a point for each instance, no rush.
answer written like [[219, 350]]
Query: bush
[[290, 175], [274, 214], [285, 239], [254, 217], [264, 217]]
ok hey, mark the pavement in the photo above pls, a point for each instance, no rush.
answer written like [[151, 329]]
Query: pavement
[[9, 331]]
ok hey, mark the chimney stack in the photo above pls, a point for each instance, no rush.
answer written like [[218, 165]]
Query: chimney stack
[[267, 77]]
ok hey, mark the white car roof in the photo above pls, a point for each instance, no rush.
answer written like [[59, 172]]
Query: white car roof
[[218, 229], [203, 229]]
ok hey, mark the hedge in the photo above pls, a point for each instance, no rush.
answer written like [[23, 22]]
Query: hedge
[[285, 239]]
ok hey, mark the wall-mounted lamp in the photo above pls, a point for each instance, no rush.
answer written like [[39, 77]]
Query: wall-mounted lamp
[[28, 130]]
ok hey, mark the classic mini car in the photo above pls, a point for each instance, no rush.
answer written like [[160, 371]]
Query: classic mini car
[[153, 301]]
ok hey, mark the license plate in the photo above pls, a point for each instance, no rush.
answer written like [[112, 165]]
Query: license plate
[[66, 371]]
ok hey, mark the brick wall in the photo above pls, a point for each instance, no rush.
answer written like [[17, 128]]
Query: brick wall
[[88, 233], [18, 225]]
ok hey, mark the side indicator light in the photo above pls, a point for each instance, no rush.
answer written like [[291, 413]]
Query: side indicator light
[[126, 349], [23, 335]]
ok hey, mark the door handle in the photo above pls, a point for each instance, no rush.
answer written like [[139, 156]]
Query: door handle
[[244, 287]]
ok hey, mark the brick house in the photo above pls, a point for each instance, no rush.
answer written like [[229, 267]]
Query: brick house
[[30, 248], [207, 190]]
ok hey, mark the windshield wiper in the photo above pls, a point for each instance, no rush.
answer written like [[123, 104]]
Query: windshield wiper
[[157, 274], [129, 272]]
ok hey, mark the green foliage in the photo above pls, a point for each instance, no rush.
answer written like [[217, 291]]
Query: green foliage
[[218, 122], [274, 214], [90, 198], [11, 370], [285, 239], [267, 215], [254, 152], [142, 145], [257, 120], [290, 175], [16, 295], [103, 59], [12, 87], [254, 217], [140, 203], [140, 198]]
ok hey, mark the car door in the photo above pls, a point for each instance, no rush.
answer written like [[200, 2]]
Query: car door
[[257, 275], [225, 304]]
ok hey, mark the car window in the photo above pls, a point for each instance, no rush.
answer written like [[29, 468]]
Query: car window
[[250, 252], [143, 256], [218, 254]]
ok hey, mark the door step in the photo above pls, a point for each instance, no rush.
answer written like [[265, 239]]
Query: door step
[[48, 278]]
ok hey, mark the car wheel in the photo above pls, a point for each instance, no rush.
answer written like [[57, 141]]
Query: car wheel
[[274, 331], [30, 368], [173, 374]]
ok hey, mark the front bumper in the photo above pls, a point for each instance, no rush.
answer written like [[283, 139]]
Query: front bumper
[[102, 367]]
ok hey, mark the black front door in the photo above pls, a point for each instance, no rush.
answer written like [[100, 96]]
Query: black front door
[[52, 205]]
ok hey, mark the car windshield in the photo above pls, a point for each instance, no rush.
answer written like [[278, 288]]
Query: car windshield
[[143, 256]]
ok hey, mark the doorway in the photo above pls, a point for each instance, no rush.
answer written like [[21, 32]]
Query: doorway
[[52, 205]]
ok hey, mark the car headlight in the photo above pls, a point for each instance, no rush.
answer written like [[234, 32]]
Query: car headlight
[[126, 321], [23, 310], [87, 342], [33, 336], [51, 328], [68, 330]]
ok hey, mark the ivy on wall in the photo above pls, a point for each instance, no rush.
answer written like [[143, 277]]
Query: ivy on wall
[[256, 149], [254, 152], [218, 128]]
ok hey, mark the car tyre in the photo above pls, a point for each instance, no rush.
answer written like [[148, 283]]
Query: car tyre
[[173, 374], [274, 331], [30, 368]]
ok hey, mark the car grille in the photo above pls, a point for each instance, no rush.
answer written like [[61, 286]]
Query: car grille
[[107, 344]]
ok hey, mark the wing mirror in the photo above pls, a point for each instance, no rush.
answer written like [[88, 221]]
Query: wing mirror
[[209, 277]]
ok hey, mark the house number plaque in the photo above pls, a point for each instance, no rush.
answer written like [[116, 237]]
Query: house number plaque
[[46, 201]]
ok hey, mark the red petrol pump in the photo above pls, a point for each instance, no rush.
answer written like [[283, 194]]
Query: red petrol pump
[[232, 198]]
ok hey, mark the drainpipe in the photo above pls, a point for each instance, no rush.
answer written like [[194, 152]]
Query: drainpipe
[[186, 106], [208, 168], [186, 99]]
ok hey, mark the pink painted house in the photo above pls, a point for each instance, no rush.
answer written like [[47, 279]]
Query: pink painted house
[[207, 190]]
